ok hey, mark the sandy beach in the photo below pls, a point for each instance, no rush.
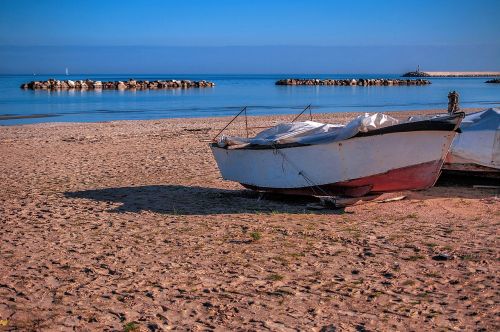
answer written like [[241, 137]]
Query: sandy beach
[[128, 225]]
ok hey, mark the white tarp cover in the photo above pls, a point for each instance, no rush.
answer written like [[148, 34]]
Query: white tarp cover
[[310, 132], [479, 142]]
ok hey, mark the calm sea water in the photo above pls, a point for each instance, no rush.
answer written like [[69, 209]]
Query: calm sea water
[[232, 92]]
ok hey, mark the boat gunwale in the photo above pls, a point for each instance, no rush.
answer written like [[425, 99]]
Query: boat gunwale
[[437, 124]]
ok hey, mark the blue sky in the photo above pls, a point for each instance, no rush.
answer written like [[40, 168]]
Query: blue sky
[[248, 36]]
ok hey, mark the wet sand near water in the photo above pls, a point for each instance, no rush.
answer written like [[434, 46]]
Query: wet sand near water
[[128, 225]]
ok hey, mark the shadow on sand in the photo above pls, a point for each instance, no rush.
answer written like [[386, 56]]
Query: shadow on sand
[[184, 200], [460, 185], [467, 180]]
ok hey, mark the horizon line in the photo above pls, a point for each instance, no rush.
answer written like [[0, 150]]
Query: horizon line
[[229, 74], [257, 45]]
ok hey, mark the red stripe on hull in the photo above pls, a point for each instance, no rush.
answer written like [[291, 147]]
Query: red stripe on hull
[[413, 177]]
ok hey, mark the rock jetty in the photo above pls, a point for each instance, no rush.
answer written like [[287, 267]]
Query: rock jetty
[[53, 84], [495, 80], [352, 82]]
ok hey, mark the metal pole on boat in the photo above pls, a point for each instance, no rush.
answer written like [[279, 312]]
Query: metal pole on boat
[[243, 110], [305, 109]]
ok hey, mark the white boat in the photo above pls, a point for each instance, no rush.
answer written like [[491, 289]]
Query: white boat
[[371, 154], [477, 148]]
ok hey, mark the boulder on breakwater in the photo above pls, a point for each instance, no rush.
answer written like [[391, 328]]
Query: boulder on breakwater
[[52, 84], [352, 82]]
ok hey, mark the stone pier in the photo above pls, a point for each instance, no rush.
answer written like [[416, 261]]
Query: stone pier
[[53, 84]]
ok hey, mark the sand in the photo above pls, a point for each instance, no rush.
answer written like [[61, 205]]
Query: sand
[[128, 225]]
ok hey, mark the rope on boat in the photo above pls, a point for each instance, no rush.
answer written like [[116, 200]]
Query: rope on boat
[[301, 173]]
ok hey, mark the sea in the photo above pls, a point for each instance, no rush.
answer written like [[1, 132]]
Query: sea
[[232, 92]]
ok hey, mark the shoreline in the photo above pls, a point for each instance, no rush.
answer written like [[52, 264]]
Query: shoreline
[[322, 115]]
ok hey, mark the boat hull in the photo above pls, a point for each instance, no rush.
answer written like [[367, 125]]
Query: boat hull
[[353, 167], [477, 148], [407, 178]]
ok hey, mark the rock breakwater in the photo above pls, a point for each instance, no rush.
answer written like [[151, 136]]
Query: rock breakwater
[[52, 84], [495, 80], [352, 82]]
